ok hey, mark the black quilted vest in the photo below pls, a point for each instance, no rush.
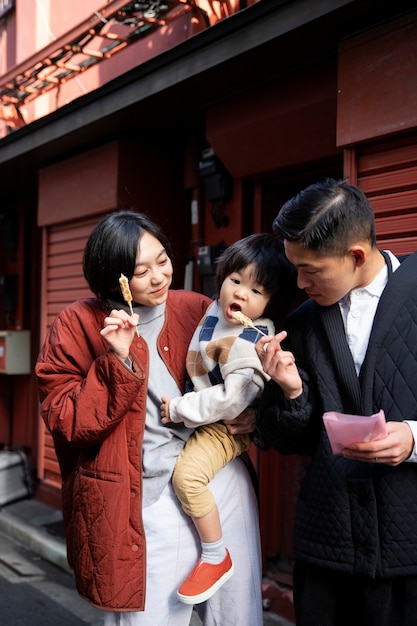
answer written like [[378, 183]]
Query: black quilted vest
[[354, 517]]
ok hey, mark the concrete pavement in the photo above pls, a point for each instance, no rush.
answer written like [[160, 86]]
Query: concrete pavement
[[39, 529], [34, 592]]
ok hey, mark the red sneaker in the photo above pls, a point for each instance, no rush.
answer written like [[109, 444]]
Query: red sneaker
[[204, 580]]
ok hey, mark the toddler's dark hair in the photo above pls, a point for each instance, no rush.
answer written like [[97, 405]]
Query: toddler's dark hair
[[272, 271]]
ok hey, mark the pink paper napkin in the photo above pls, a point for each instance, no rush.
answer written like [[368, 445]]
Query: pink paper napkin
[[344, 430]]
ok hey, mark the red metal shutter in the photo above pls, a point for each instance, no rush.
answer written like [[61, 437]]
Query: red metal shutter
[[387, 173], [63, 282]]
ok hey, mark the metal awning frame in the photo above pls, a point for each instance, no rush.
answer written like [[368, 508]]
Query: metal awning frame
[[189, 75], [105, 33]]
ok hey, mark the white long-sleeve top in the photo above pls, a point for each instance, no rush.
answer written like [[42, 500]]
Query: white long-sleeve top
[[358, 311], [224, 369]]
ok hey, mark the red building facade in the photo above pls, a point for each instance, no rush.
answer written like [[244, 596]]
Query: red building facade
[[209, 122]]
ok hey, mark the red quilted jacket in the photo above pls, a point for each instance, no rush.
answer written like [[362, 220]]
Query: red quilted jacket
[[95, 409]]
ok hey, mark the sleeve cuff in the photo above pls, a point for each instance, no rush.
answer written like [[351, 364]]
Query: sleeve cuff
[[413, 456]]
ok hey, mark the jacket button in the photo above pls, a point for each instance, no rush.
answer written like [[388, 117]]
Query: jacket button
[[135, 548], [166, 348]]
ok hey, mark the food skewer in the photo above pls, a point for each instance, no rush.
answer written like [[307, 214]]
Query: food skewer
[[246, 321], [127, 294]]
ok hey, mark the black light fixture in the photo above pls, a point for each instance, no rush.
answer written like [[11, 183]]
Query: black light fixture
[[218, 184], [9, 228]]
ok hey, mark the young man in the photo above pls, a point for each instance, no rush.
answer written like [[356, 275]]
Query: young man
[[355, 345]]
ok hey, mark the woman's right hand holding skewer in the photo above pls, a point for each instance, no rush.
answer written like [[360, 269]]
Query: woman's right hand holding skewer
[[119, 330]]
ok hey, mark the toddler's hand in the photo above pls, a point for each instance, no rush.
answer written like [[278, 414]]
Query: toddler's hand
[[164, 408]]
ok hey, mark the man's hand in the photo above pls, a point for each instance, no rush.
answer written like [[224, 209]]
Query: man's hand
[[280, 364], [392, 450]]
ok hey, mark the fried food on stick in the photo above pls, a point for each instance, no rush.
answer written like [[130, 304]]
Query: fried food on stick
[[127, 294], [245, 321]]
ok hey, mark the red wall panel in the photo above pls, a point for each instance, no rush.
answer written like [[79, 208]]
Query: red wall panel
[[377, 82]]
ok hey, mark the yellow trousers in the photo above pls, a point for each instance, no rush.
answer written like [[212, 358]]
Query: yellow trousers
[[207, 451]]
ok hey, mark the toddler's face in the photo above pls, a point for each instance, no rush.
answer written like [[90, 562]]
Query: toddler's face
[[241, 292]]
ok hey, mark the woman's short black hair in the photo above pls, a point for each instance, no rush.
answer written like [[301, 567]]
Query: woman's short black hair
[[111, 250], [273, 271]]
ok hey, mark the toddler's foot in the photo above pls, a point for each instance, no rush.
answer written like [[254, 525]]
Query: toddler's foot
[[204, 580]]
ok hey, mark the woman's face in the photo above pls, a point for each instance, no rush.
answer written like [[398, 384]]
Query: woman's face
[[153, 272]]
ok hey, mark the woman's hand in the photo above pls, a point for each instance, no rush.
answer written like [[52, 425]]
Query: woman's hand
[[119, 330], [280, 364], [393, 449], [243, 423]]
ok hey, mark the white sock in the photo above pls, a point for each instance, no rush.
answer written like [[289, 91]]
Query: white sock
[[214, 552]]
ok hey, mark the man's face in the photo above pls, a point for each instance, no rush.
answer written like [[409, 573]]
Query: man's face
[[325, 279]]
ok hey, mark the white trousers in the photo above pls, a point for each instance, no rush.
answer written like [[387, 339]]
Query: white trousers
[[173, 548]]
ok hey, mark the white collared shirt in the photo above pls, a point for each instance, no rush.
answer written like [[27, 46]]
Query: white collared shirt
[[358, 310]]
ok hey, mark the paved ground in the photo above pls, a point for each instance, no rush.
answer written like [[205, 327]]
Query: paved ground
[[270, 619], [36, 585], [34, 592]]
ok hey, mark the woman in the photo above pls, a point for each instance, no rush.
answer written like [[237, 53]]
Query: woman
[[101, 375]]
